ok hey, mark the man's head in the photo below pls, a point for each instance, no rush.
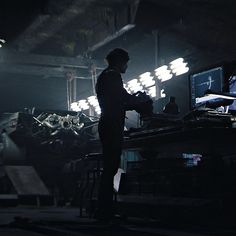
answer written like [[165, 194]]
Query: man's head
[[118, 58]]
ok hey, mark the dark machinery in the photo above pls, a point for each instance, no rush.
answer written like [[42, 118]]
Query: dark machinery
[[56, 130], [164, 150], [40, 144], [63, 133]]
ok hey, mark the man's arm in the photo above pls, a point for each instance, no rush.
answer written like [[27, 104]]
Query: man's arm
[[142, 103], [130, 100]]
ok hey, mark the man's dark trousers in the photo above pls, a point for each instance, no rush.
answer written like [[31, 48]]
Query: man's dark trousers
[[111, 136]]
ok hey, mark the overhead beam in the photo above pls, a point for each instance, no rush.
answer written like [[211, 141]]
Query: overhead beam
[[42, 65], [44, 28], [116, 21], [109, 38], [45, 72], [12, 57]]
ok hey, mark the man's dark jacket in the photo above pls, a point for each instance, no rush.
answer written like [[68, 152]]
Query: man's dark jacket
[[112, 97]]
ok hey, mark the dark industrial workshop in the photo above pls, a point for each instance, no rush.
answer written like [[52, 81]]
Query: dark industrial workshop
[[118, 117]]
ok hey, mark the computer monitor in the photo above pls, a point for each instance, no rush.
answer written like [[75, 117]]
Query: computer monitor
[[204, 81], [232, 90]]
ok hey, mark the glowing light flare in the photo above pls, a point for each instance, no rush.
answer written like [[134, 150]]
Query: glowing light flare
[[75, 106], [160, 70], [163, 73], [2, 41], [146, 79], [134, 85], [182, 71], [177, 61], [152, 91], [132, 82], [163, 95], [178, 66], [98, 110], [126, 87], [145, 75], [165, 77], [83, 104], [175, 67], [93, 101]]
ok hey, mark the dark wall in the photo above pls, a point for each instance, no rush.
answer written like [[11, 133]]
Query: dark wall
[[179, 88], [24, 91]]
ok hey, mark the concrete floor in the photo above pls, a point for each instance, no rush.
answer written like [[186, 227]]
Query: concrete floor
[[33, 221]]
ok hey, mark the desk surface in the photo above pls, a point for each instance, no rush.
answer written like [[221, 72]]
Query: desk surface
[[205, 140], [200, 140]]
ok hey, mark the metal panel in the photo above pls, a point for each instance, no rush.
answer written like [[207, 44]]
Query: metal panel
[[26, 181]]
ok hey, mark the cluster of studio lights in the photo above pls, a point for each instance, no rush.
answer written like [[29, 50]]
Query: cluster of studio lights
[[163, 73], [85, 104], [179, 67], [2, 41], [175, 67], [92, 100], [144, 82]]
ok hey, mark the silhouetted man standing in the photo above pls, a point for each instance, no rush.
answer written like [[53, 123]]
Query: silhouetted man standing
[[113, 100], [171, 107]]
